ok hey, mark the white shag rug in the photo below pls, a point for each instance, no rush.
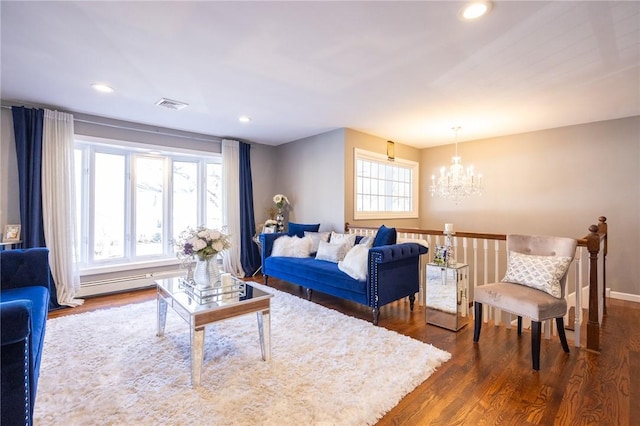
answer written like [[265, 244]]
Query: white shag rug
[[108, 367]]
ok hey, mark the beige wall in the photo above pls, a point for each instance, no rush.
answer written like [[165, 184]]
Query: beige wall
[[556, 182], [355, 139]]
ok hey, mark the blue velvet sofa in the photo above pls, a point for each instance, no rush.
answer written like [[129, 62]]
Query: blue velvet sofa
[[393, 273], [24, 305]]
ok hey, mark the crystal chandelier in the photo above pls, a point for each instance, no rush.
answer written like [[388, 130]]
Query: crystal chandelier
[[457, 182]]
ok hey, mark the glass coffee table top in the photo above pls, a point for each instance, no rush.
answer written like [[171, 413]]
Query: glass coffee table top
[[196, 300]]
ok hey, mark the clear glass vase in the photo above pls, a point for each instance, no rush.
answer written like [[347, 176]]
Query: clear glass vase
[[206, 273]]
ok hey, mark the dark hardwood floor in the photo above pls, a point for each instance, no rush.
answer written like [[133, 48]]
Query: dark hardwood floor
[[492, 383]]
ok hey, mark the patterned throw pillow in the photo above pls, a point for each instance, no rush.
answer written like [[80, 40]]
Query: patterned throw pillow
[[316, 237], [348, 239], [331, 252], [539, 272], [367, 241]]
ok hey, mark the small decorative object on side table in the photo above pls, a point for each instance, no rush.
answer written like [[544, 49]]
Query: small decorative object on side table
[[450, 255]]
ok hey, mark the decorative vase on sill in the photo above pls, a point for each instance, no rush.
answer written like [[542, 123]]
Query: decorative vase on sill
[[206, 274], [280, 220]]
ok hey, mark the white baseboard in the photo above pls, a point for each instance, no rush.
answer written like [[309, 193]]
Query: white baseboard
[[609, 293], [95, 288], [623, 296]]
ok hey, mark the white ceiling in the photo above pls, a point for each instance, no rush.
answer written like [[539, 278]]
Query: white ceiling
[[403, 71]]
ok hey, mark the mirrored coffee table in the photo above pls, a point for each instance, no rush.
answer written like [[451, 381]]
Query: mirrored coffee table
[[200, 308]]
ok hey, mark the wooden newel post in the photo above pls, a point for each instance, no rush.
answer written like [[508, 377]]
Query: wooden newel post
[[603, 229], [593, 326]]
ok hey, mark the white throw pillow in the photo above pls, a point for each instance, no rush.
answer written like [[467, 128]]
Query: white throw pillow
[[539, 272], [295, 246], [355, 262], [348, 239], [331, 252], [316, 237]]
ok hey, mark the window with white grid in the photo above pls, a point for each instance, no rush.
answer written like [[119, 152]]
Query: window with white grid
[[384, 189]]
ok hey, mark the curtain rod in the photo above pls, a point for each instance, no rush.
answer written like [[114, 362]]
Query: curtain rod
[[155, 132]]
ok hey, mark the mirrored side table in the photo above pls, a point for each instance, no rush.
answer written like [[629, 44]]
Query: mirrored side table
[[447, 303]]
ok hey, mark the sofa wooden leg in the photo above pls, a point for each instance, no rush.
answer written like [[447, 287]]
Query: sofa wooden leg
[[561, 334], [309, 293], [376, 315], [412, 301], [536, 334], [477, 324], [266, 280], [519, 325]]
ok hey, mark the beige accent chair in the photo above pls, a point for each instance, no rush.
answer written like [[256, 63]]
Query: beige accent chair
[[525, 298]]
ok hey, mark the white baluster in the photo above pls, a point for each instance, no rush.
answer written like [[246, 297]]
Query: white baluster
[[498, 315], [486, 312], [465, 246], [475, 271]]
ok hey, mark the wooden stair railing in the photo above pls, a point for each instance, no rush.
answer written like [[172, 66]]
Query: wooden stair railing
[[595, 242]]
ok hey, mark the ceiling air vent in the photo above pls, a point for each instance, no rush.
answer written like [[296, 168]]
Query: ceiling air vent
[[168, 103]]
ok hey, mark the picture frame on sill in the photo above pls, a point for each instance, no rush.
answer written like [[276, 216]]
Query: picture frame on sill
[[268, 230], [11, 233]]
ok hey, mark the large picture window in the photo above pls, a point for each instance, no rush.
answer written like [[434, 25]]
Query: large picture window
[[384, 189], [132, 203]]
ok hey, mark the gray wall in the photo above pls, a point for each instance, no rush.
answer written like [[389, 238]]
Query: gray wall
[[9, 193], [264, 174], [556, 182], [311, 174]]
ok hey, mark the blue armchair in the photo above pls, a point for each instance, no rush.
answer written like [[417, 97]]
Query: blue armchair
[[24, 305]]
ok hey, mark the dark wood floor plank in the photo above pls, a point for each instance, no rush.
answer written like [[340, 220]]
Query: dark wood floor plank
[[491, 382]]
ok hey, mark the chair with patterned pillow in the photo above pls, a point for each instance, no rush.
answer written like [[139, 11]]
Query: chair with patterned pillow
[[533, 286]]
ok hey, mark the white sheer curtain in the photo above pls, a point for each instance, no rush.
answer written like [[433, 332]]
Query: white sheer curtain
[[58, 203], [231, 205]]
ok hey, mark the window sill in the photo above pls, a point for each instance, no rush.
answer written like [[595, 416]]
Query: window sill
[[132, 266]]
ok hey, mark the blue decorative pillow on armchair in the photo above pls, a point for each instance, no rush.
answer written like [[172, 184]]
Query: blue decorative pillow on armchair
[[299, 228], [385, 236]]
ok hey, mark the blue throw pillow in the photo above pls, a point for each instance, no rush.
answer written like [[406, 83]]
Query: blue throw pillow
[[299, 228], [385, 236]]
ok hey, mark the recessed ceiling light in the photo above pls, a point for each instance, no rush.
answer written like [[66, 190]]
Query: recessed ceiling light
[[101, 87], [244, 119], [474, 10]]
